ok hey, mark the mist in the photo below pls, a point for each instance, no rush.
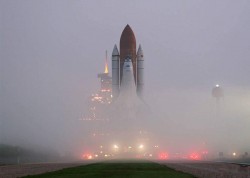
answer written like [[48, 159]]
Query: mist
[[52, 51]]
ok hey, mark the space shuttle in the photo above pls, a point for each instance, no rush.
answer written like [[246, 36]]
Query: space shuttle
[[127, 67]]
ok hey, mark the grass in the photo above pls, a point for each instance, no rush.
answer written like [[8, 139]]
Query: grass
[[116, 169]]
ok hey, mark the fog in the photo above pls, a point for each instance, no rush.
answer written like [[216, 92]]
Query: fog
[[52, 51]]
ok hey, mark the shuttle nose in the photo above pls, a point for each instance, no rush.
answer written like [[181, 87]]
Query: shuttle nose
[[128, 66]]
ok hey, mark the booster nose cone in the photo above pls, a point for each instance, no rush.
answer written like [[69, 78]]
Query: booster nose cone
[[115, 51], [140, 53]]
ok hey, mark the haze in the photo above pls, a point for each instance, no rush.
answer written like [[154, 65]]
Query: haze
[[51, 52]]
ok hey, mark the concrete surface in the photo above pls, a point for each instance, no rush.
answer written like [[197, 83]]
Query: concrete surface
[[212, 170], [13, 171]]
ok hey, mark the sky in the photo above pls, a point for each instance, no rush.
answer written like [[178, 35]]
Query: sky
[[52, 50]]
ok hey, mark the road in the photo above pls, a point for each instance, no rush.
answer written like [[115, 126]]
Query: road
[[13, 171], [211, 169], [198, 169]]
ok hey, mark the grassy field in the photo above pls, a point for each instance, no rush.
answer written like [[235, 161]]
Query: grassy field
[[116, 169]]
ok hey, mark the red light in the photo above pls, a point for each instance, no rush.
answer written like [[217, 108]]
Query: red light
[[87, 156], [194, 156], [163, 156]]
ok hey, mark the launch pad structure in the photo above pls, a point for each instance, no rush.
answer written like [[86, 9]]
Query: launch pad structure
[[116, 113]]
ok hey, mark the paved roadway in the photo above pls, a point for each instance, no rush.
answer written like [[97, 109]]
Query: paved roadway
[[13, 171], [198, 169], [212, 169]]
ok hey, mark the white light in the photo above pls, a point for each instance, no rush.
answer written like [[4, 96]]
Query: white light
[[129, 147], [141, 146], [217, 85], [115, 146], [234, 154]]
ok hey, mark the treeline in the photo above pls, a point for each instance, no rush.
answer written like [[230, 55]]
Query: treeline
[[17, 155]]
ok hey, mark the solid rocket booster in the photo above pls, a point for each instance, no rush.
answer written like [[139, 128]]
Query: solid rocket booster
[[140, 72], [115, 72]]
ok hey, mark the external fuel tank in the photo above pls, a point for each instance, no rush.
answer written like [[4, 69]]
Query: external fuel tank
[[128, 48]]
